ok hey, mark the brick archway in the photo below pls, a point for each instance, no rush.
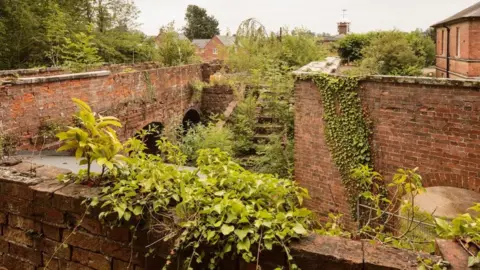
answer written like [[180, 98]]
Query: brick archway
[[191, 118]]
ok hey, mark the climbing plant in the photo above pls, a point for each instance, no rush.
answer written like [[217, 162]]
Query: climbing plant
[[346, 129]]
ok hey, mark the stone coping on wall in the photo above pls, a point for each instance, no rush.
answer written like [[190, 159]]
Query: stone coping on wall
[[301, 74], [42, 204], [58, 78]]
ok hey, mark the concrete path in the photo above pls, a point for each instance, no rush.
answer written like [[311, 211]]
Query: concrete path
[[70, 163]]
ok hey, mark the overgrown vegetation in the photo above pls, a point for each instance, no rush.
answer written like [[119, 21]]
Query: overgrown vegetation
[[172, 49], [388, 52], [81, 34], [219, 206]]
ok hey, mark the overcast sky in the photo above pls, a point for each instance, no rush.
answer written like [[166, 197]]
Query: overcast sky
[[316, 15]]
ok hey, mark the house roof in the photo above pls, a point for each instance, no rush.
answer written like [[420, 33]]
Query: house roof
[[470, 12], [227, 40], [200, 43]]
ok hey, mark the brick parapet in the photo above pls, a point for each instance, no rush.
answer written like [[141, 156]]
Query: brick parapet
[[34, 224]]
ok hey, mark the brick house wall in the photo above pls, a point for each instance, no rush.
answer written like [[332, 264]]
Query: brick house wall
[[137, 98], [464, 50], [427, 123], [214, 50]]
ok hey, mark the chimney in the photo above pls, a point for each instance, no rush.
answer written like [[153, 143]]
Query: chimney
[[343, 28], [344, 24]]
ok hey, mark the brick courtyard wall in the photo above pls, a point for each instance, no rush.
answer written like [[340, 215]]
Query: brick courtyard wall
[[432, 124], [38, 214], [137, 98]]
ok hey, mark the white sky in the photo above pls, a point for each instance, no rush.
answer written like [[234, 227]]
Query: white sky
[[316, 15]]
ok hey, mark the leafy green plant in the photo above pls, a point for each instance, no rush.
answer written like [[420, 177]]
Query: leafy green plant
[[428, 264], [346, 129], [172, 50], [8, 145], [464, 228], [93, 140], [197, 87], [78, 52], [206, 137], [378, 208]]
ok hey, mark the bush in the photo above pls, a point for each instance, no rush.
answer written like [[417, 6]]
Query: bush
[[301, 48], [390, 54], [172, 50], [423, 46], [350, 48], [243, 126], [206, 137]]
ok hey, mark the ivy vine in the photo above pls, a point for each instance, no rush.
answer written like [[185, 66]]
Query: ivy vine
[[346, 129]]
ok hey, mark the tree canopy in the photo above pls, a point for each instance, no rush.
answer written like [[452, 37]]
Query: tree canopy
[[50, 33], [199, 24]]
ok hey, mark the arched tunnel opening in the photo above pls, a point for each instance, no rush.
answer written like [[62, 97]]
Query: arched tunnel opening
[[191, 118], [154, 131]]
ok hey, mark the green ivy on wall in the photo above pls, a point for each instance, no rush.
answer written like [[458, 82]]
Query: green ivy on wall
[[346, 129]]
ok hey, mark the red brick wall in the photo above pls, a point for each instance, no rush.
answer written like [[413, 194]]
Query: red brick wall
[[36, 217], [25, 107], [314, 167], [207, 53], [426, 123]]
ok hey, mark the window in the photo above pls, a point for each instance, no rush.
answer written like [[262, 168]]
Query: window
[[215, 51], [441, 42], [458, 41]]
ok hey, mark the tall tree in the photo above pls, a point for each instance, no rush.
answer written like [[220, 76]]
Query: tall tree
[[199, 24]]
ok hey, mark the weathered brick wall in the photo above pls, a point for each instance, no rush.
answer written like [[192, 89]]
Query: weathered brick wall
[[137, 98], [314, 167], [215, 99], [37, 215], [427, 123]]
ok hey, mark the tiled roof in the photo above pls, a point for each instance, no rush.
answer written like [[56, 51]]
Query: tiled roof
[[200, 43], [227, 40], [470, 12]]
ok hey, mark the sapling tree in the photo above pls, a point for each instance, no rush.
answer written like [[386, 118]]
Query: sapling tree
[[94, 139]]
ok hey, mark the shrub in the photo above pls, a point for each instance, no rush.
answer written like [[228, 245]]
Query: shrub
[[350, 48], [206, 137], [93, 140], [390, 54], [243, 125], [172, 50]]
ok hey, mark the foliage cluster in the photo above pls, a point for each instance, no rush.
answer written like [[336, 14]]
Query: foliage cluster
[[199, 24], [220, 205], [8, 145], [388, 52], [93, 140], [346, 130], [208, 136], [267, 60], [172, 49], [466, 229], [55, 33]]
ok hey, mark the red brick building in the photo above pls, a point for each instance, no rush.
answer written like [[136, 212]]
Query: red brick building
[[213, 49], [458, 44]]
